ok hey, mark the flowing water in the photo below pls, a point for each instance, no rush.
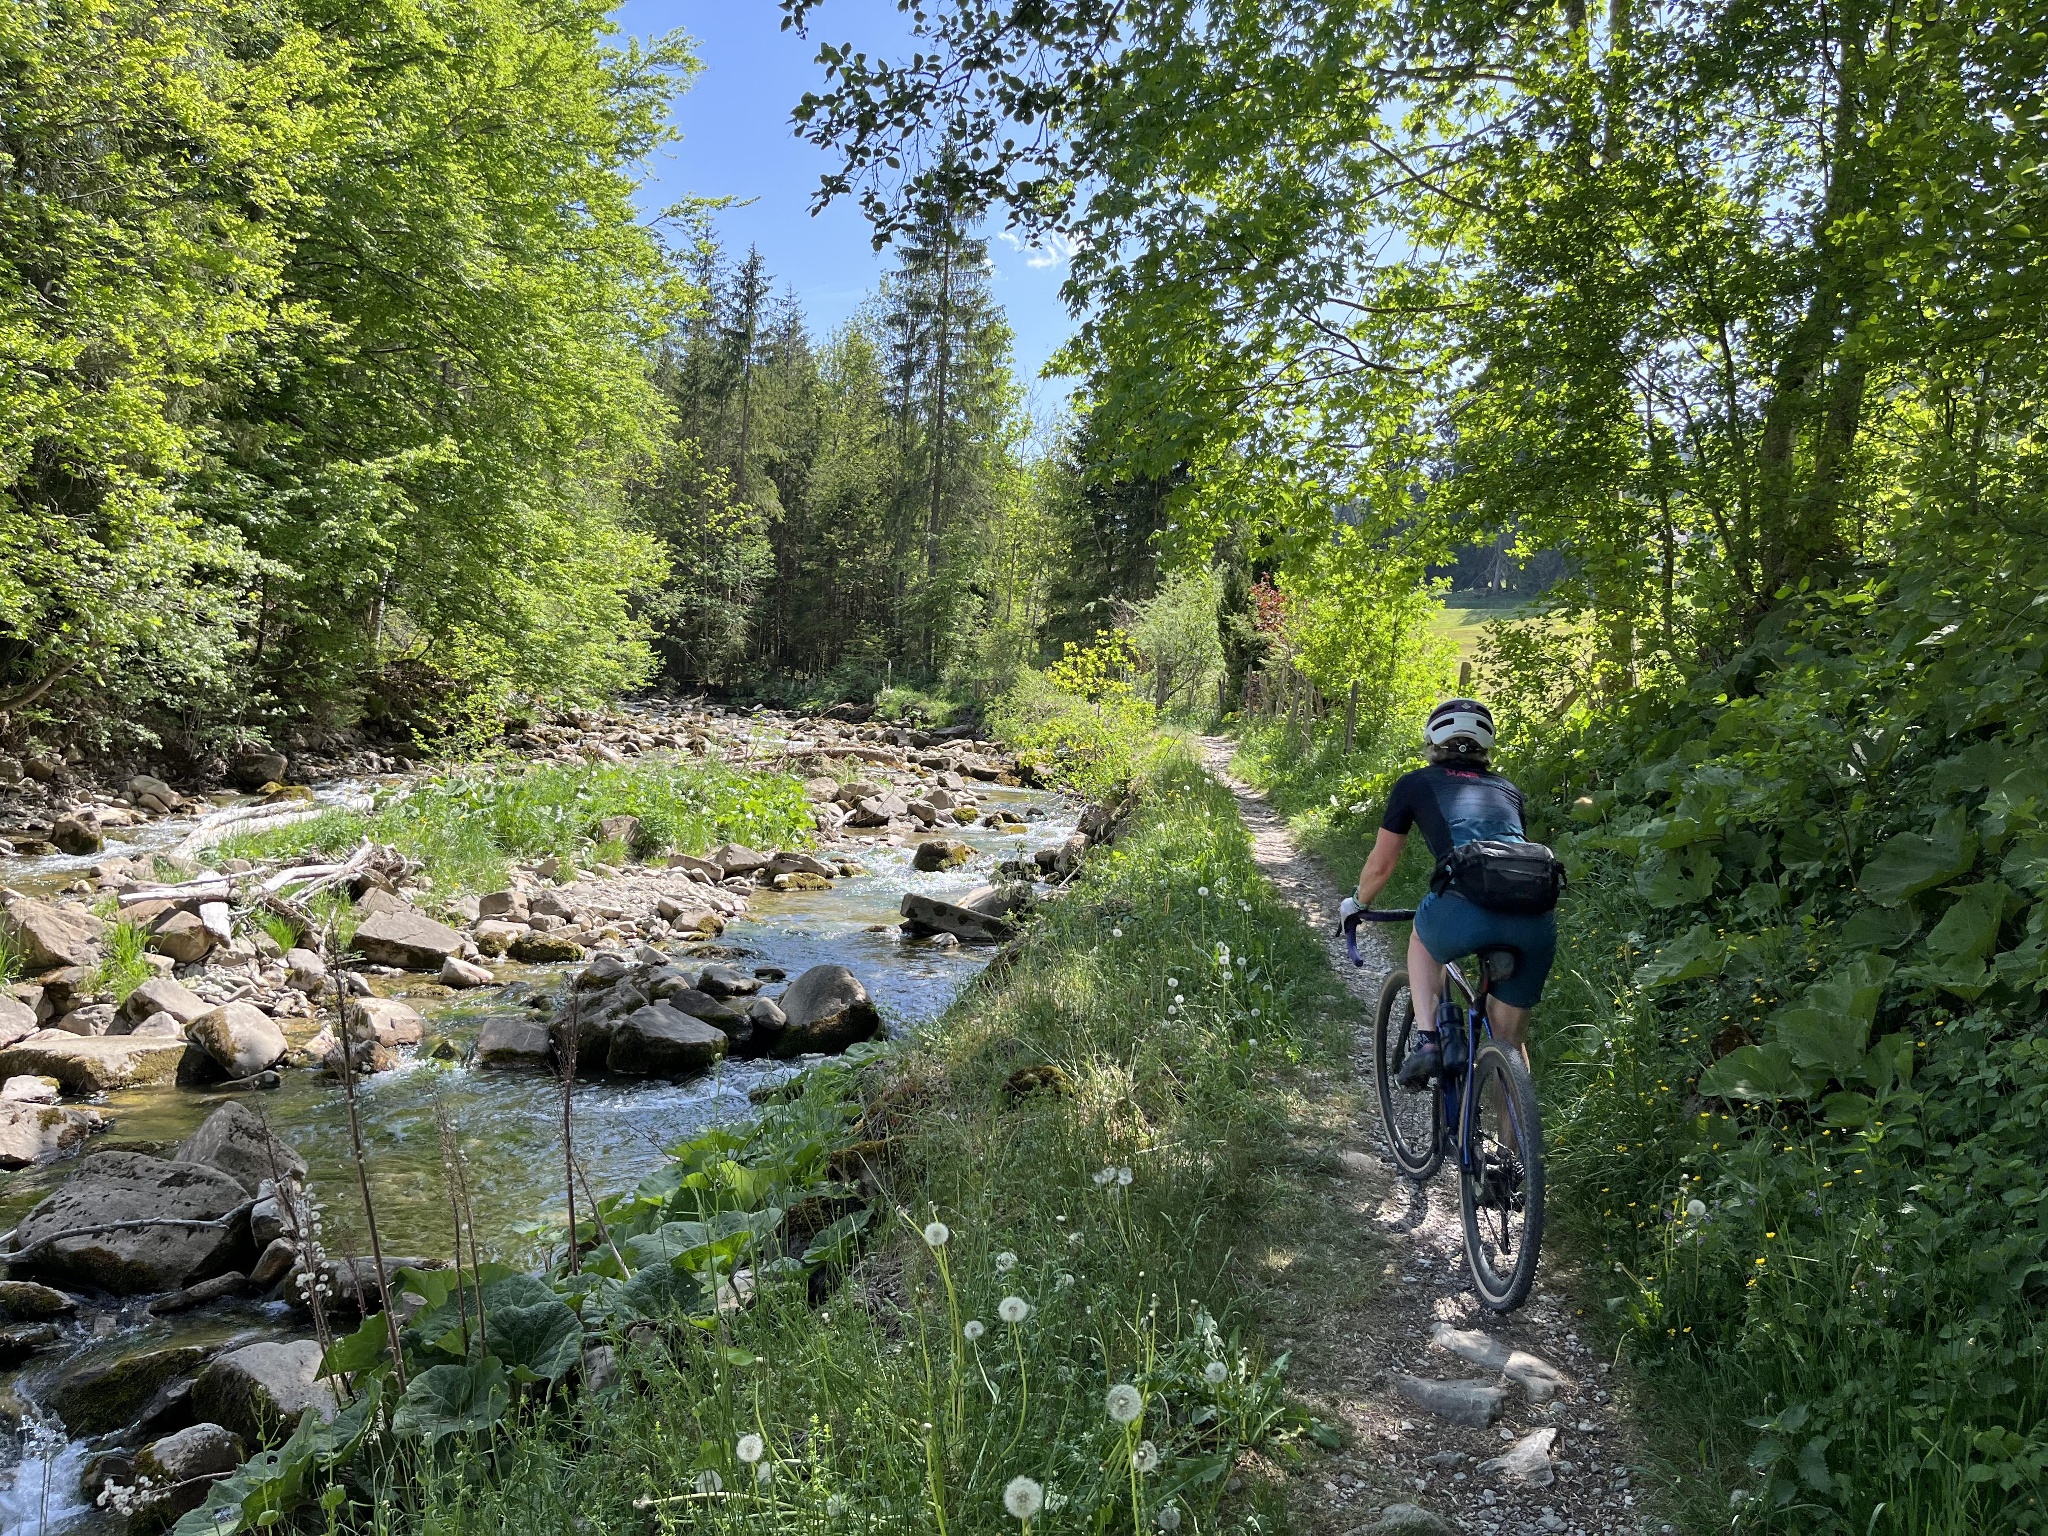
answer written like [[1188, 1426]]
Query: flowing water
[[508, 1122]]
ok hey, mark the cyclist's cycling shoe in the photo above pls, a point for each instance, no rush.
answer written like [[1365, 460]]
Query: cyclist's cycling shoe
[[1500, 1185], [1423, 1064]]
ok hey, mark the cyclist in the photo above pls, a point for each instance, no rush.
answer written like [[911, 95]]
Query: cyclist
[[1458, 799]]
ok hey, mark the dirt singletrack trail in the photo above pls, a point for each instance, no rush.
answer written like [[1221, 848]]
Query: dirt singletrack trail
[[1534, 1395]]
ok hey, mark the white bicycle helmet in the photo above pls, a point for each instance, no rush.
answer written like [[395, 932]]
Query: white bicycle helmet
[[1460, 720]]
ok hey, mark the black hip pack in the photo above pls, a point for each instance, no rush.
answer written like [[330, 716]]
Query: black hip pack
[[1524, 879]]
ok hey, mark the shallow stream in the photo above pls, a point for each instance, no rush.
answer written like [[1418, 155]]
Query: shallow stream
[[508, 1122]]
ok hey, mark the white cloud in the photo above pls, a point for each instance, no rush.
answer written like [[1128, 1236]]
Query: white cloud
[[1055, 250]]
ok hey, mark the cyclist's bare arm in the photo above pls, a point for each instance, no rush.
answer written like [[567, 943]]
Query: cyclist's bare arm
[[1380, 864]]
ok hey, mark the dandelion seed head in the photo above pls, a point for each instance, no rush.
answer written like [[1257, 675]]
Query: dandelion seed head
[[1116, 933], [1168, 1519], [1173, 981], [1124, 1403], [1005, 1262], [1201, 890], [936, 1233], [1215, 1373], [1023, 1497], [1105, 1176], [1013, 1309], [972, 1329], [708, 1481], [1695, 1208], [1123, 1177], [750, 1449], [764, 1474], [1145, 1459], [1073, 1239], [1065, 1282]]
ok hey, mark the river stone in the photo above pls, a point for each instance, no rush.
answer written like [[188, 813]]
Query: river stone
[[925, 915], [738, 859], [703, 869], [17, 1020], [408, 940], [235, 1140], [31, 1090], [704, 1007], [256, 767], [78, 835], [462, 975], [936, 853], [86, 1066], [619, 829], [385, 1020], [240, 1037], [159, 1026], [129, 1186], [24, 1301], [790, 862], [495, 935], [185, 1465], [105, 1393], [1471, 1403], [878, 811], [38, 1133], [828, 1010], [279, 1257], [660, 1041], [513, 1040], [549, 904], [305, 971], [260, 1390], [162, 994], [544, 949], [722, 981], [503, 904], [182, 936], [381, 898], [44, 937], [1533, 1374], [760, 1028], [94, 1019], [1527, 1461]]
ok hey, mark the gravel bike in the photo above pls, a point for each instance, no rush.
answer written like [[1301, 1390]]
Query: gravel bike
[[1482, 1107]]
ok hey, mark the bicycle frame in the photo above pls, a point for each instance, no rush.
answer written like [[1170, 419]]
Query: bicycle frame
[[1478, 1026]]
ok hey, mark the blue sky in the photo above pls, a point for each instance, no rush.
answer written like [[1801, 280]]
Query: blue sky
[[737, 143]]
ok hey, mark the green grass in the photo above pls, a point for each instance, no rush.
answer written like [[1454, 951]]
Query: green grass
[[466, 827], [1463, 618], [916, 706], [123, 965], [877, 1410]]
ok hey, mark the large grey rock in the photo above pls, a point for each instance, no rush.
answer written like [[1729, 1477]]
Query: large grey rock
[[159, 1026], [385, 1020], [544, 949], [17, 1020], [409, 940], [240, 1037], [703, 1006], [495, 935], [1472, 1403], [724, 981], [235, 1140], [738, 859], [1527, 1461], [78, 834], [260, 1390], [181, 1199], [305, 971], [878, 811], [792, 862], [183, 936], [924, 915], [184, 1465], [23, 1301], [513, 1040], [92, 1019], [936, 853], [163, 994], [107, 1391], [760, 1030], [504, 905], [39, 1133], [256, 767], [44, 937], [1533, 1374], [87, 1066], [828, 1010], [30, 1090], [464, 976], [660, 1041]]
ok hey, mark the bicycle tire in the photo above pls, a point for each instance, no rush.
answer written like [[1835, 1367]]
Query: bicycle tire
[[1516, 1161], [1416, 1153]]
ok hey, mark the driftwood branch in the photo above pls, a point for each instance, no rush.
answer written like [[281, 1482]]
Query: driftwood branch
[[23, 697]]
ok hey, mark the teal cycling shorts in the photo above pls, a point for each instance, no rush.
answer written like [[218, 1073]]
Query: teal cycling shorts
[[1451, 927]]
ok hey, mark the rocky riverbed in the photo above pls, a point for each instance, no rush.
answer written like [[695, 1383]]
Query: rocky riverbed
[[673, 987]]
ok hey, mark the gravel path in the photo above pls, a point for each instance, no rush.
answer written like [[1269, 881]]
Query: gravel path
[[1353, 1349]]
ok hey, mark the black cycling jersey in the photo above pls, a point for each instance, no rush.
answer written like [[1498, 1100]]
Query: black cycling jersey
[[1455, 806]]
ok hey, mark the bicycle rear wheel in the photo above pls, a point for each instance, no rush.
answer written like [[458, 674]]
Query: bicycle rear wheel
[[1414, 1121], [1502, 1186]]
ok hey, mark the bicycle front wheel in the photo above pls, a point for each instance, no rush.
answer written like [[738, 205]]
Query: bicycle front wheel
[[1501, 1180], [1413, 1120]]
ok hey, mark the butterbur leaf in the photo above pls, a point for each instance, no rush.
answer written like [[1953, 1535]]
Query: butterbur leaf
[[1695, 953], [1852, 1111], [541, 1342], [364, 1350], [1823, 1039], [663, 1291], [1969, 929], [1880, 927], [1890, 1063], [835, 1243], [452, 1400], [1911, 863], [1759, 1074]]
